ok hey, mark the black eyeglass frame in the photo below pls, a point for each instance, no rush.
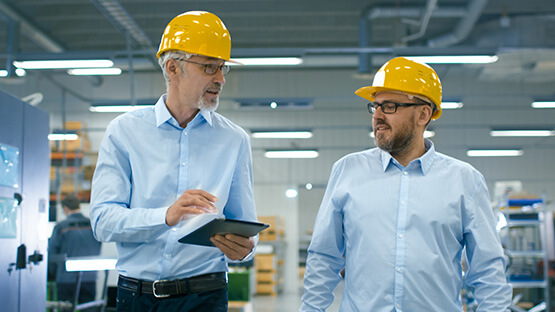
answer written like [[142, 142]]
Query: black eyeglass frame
[[373, 106], [210, 69]]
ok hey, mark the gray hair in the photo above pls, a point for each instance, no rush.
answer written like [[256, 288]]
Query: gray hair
[[172, 54]]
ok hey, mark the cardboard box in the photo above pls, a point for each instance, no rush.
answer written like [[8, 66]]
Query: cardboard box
[[265, 262], [276, 222], [266, 289]]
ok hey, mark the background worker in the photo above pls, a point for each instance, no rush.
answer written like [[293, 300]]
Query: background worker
[[72, 237], [397, 217], [158, 166]]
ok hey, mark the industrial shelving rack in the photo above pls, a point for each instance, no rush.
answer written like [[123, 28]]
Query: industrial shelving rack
[[526, 248]]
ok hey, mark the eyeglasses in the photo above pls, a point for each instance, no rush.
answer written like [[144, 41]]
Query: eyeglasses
[[210, 69], [389, 107]]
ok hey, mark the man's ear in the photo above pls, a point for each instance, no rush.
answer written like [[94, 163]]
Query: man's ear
[[172, 67], [425, 114]]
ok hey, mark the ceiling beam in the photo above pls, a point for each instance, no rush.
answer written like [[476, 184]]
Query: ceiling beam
[[30, 31]]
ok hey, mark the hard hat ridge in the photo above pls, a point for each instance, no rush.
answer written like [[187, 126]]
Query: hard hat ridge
[[197, 32]]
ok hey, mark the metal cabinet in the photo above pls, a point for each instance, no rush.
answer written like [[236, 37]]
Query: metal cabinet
[[527, 268], [23, 258]]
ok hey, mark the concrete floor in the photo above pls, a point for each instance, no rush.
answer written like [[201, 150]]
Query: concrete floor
[[289, 302]]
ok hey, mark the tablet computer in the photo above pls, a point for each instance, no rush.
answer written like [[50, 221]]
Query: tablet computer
[[222, 226]]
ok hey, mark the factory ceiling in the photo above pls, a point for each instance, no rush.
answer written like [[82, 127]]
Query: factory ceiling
[[337, 32]]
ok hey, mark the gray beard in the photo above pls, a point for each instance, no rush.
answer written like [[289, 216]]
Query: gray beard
[[210, 106]]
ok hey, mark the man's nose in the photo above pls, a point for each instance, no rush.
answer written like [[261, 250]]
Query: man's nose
[[378, 112], [219, 77]]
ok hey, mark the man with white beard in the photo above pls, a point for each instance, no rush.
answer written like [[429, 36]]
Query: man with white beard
[[158, 166]]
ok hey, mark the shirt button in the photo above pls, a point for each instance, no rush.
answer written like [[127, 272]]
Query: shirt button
[[399, 270], [400, 235], [405, 173], [174, 229], [398, 306], [185, 133], [166, 256], [402, 202], [184, 163]]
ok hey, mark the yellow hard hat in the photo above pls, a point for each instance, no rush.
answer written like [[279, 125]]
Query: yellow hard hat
[[403, 75], [197, 32]]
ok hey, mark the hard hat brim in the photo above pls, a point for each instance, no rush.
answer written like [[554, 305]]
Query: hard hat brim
[[234, 62], [370, 92]]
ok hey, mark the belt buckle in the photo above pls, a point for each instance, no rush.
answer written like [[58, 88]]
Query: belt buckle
[[154, 289]]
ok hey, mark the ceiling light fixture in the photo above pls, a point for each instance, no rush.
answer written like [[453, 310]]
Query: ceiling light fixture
[[298, 134], [20, 72], [291, 193], [120, 106], [543, 104], [455, 59], [427, 134], [115, 108], [63, 64], [109, 71], [75, 265], [63, 137], [522, 133], [275, 103], [267, 61], [495, 153], [291, 154], [451, 105]]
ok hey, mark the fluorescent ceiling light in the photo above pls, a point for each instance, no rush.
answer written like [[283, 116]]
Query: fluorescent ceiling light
[[427, 134], [494, 153], [282, 134], [58, 64], [455, 59], [292, 154], [291, 193], [115, 108], [62, 137], [75, 265], [94, 71], [18, 71], [268, 61], [543, 104], [451, 105], [522, 133]]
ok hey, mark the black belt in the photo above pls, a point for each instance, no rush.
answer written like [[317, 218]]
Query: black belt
[[166, 288]]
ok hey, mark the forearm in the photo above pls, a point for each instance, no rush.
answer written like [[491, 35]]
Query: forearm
[[114, 223], [320, 280]]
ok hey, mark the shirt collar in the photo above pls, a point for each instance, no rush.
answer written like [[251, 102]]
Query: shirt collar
[[163, 114], [425, 160], [207, 115], [161, 111], [428, 158]]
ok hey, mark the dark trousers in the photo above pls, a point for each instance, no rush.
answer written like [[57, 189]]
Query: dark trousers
[[209, 301]]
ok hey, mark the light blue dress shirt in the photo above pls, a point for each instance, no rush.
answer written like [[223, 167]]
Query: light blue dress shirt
[[400, 232], [145, 162]]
